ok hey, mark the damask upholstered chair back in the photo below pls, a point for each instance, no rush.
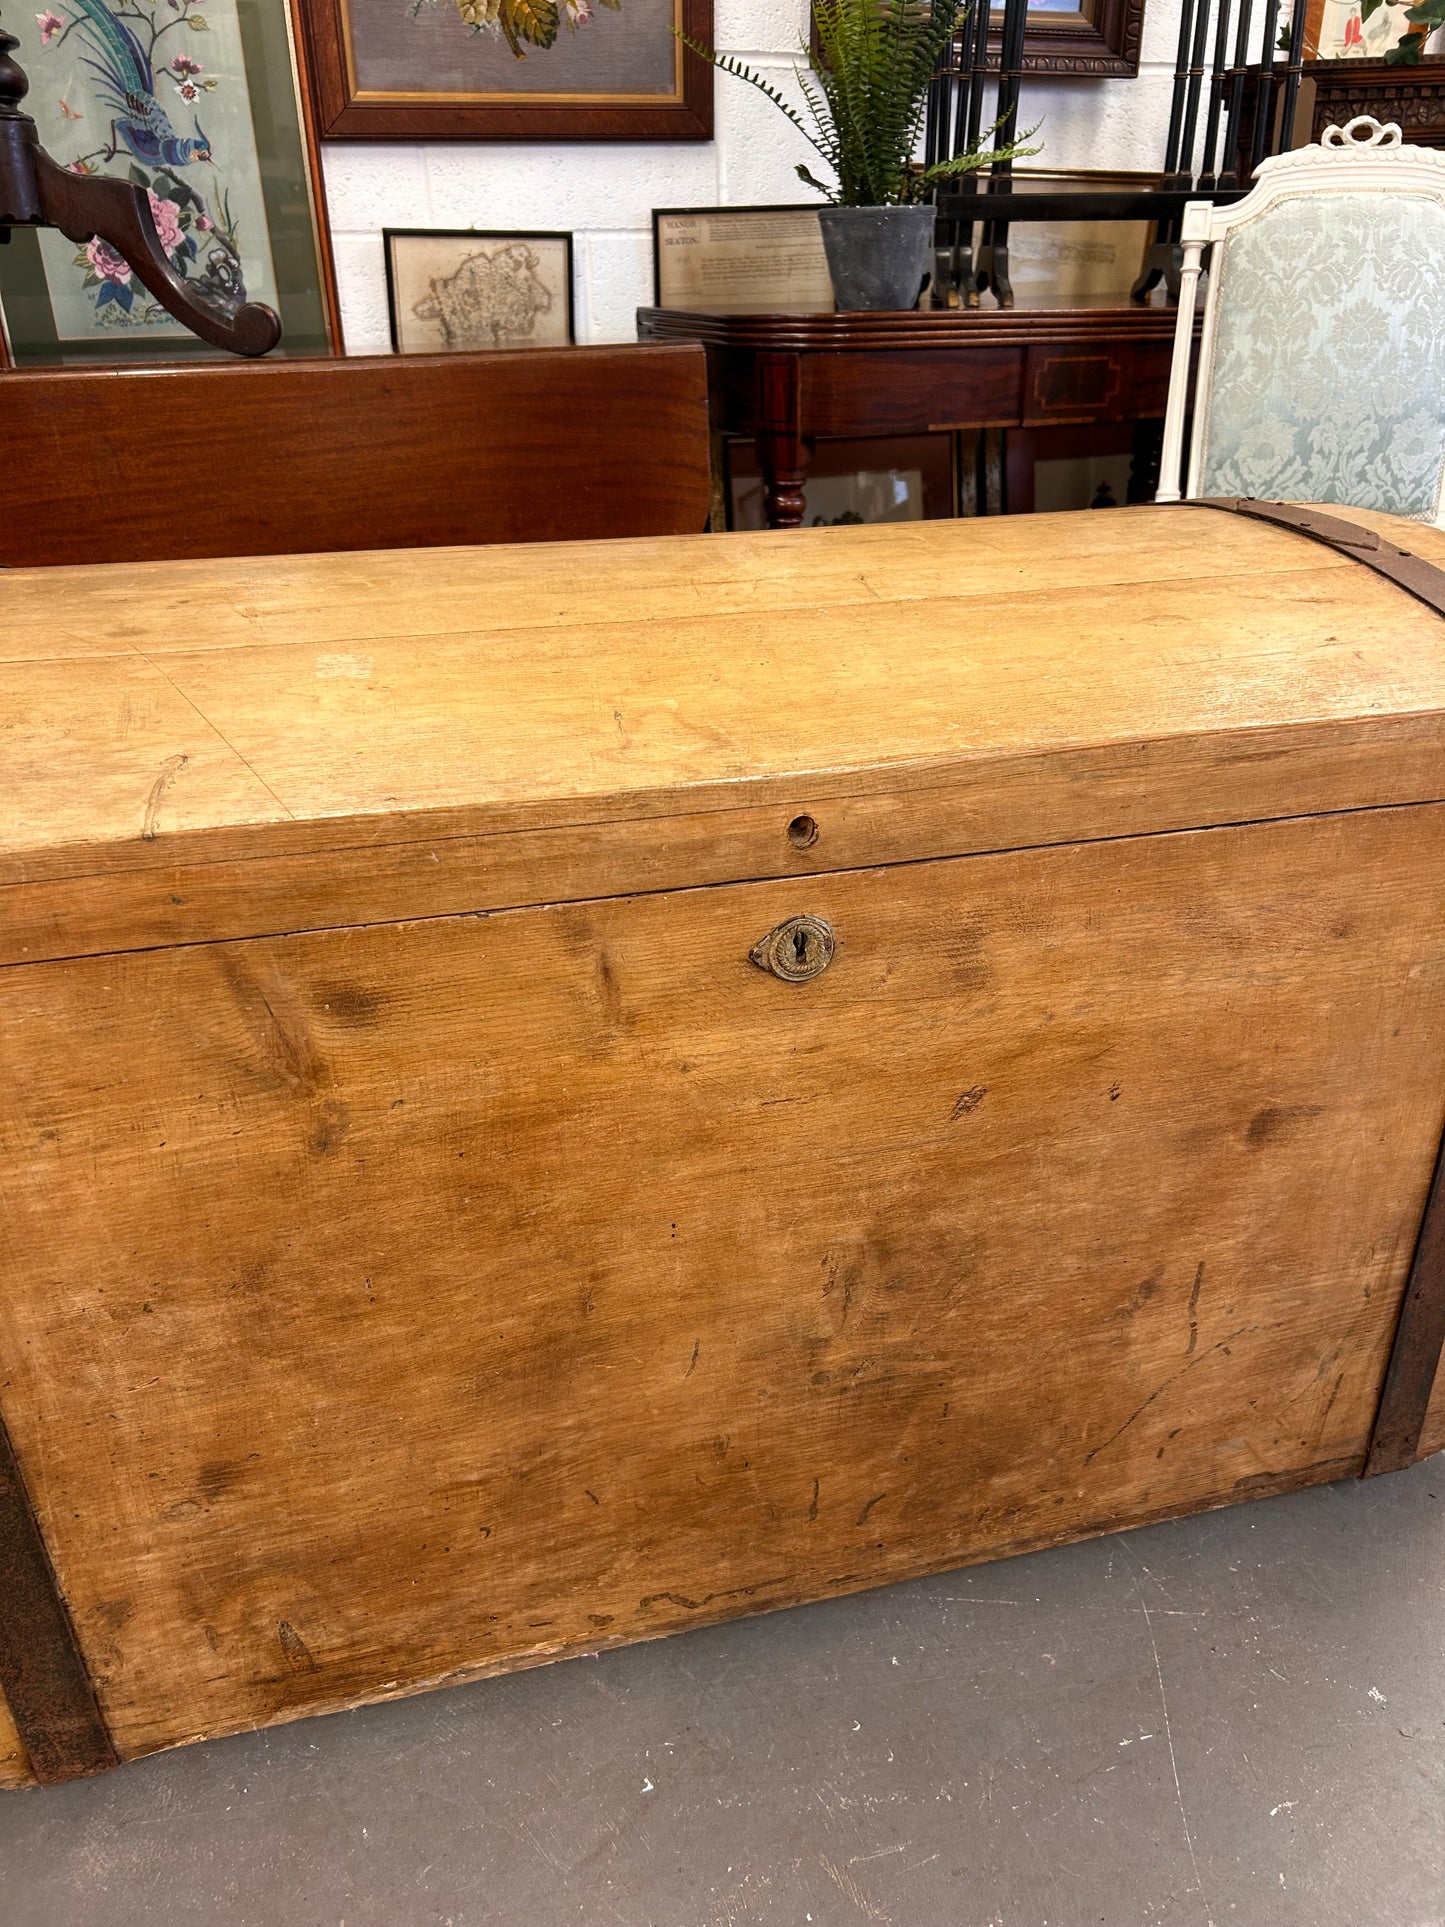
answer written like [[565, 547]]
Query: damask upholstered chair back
[[1321, 374]]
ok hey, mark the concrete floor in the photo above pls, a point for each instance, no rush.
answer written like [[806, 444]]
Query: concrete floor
[[1238, 1719]]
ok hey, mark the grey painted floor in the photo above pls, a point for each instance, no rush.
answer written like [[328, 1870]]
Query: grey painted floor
[[1238, 1719]]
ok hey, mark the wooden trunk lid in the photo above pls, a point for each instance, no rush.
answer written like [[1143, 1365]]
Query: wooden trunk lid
[[223, 749]]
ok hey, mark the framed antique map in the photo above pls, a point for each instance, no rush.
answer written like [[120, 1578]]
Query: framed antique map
[[509, 69], [449, 292], [201, 105]]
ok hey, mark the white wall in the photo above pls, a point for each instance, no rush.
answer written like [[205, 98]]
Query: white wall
[[605, 193]]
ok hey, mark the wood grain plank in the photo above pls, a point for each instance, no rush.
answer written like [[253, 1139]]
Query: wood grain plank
[[112, 750], [353, 452], [184, 605], [1006, 802], [606, 1285], [568, 723]]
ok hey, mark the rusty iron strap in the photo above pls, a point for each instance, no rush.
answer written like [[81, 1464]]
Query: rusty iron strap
[[43, 1675], [1412, 573], [1419, 1338], [1420, 1333]]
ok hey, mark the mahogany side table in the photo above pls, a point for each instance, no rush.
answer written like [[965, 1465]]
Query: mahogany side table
[[785, 379]]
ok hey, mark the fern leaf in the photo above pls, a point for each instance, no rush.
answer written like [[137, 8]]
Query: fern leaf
[[866, 93], [981, 157], [812, 181], [727, 64]]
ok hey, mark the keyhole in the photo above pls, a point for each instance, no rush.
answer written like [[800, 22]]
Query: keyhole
[[797, 950]]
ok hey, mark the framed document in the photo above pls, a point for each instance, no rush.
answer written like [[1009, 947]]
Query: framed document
[[744, 259], [202, 106], [1070, 264], [455, 291]]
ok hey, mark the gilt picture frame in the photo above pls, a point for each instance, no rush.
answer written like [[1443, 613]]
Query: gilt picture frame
[[509, 70], [464, 290], [205, 106]]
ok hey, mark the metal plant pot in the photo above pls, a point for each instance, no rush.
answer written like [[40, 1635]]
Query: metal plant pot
[[879, 257]]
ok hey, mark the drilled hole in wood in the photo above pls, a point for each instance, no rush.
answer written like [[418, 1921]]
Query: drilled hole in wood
[[802, 832]]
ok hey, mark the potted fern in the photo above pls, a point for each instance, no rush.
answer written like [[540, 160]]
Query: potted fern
[[865, 92]]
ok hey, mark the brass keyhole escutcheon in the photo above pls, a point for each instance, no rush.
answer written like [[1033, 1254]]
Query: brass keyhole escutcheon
[[797, 950]]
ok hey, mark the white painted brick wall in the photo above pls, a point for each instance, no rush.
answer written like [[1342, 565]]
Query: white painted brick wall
[[605, 193]]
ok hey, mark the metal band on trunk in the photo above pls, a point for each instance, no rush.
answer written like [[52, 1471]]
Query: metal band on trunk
[[43, 1674], [1412, 573]]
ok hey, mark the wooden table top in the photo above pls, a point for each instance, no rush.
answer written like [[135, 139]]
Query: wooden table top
[[826, 330]]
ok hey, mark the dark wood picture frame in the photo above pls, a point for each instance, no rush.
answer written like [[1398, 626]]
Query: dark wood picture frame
[[1104, 44], [390, 234], [343, 113]]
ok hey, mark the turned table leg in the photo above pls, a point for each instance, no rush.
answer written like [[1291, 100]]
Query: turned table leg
[[1146, 461], [782, 452]]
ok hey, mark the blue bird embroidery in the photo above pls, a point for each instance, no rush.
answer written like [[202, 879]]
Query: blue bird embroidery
[[126, 85]]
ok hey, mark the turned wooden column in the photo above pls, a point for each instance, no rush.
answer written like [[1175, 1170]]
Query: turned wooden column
[[782, 452]]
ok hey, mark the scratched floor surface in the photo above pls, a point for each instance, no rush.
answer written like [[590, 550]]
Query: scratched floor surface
[[1238, 1719]]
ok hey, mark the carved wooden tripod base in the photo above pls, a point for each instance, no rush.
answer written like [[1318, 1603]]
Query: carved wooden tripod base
[[36, 191]]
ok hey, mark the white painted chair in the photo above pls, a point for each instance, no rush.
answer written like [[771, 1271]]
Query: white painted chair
[[1321, 372]]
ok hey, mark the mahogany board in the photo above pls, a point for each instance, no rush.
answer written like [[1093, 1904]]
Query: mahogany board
[[355, 452], [432, 1247]]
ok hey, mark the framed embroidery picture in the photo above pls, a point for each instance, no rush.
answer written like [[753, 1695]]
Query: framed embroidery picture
[[451, 292], [199, 102], [508, 70]]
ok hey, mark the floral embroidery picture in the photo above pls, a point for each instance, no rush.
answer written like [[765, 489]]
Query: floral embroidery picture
[[153, 91], [497, 50], [459, 291], [529, 70], [535, 22]]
